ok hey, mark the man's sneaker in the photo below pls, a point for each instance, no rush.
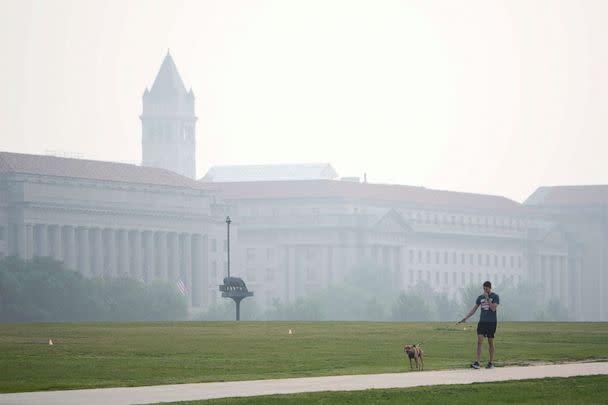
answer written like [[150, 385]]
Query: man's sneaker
[[490, 365], [475, 365]]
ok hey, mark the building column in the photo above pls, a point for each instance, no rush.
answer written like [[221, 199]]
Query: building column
[[186, 268], [41, 240], [161, 251], [83, 252], [148, 256], [579, 296], [29, 241], [291, 273], [123, 253], [136, 255], [55, 242], [109, 252], [97, 255], [563, 280], [70, 247], [173, 258], [329, 274], [197, 269], [22, 241], [205, 302]]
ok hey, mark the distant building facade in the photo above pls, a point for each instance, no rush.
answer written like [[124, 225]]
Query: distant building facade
[[581, 213], [296, 228], [298, 236]]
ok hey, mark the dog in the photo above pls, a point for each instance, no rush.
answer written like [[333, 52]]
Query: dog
[[416, 353]]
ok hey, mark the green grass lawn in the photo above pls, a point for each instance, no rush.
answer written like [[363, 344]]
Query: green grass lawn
[[131, 354], [575, 390]]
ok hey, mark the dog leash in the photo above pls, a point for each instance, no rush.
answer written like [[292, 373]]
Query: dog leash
[[432, 336]]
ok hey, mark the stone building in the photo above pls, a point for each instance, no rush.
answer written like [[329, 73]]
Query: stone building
[[298, 236], [581, 214], [108, 219]]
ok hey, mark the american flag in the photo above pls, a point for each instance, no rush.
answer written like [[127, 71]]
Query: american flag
[[181, 287]]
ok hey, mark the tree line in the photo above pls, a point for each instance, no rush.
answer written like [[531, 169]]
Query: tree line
[[371, 293], [42, 290]]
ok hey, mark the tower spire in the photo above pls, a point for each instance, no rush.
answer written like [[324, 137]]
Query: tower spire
[[168, 122]]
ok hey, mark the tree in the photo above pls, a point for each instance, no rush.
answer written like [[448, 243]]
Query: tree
[[410, 307]]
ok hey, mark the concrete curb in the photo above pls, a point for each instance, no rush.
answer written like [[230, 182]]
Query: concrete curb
[[190, 392]]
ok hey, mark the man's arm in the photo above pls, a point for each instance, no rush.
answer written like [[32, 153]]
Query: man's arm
[[471, 312], [493, 306]]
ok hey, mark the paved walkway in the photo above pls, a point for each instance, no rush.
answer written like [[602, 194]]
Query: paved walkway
[[189, 392]]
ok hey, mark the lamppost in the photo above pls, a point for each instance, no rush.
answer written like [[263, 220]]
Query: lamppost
[[233, 287], [228, 221]]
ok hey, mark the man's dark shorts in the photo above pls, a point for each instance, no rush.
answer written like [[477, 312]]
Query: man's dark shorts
[[487, 329]]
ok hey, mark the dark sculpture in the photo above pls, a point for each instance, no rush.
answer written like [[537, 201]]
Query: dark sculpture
[[235, 288]]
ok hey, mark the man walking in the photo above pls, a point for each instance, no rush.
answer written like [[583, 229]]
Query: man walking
[[487, 321]]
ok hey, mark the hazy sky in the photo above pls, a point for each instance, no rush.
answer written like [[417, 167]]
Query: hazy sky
[[495, 97]]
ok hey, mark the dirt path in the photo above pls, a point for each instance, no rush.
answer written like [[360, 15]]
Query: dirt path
[[189, 392]]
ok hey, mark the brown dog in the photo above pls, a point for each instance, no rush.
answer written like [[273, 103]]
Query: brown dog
[[416, 353]]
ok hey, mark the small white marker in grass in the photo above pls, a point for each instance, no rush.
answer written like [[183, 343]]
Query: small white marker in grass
[[50, 342], [290, 332]]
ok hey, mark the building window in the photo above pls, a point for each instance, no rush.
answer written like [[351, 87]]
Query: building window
[[479, 261], [250, 254], [454, 279], [315, 215], [487, 260], [462, 259], [213, 245], [437, 278], [504, 261], [471, 259], [269, 254], [454, 258], [214, 270], [411, 256], [495, 261], [310, 274], [251, 274], [420, 256], [463, 278], [411, 276], [1, 233], [445, 257], [436, 257], [224, 245], [270, 274], [511, 260], [519, 262]]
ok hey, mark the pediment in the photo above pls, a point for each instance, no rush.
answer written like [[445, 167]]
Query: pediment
[[555, 236], [392, 222]]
